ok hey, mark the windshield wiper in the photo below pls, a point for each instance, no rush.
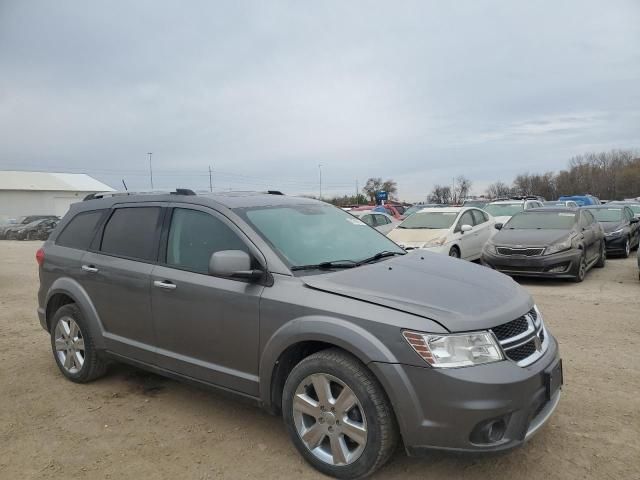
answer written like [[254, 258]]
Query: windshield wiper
[[327, 265], [380, 255]]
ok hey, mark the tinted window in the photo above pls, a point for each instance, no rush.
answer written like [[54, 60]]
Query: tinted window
[[589, 217], [194, 236], [80, 230], [479, 217], [607, 214], [368, 219], [466, 219], [382, 220], [542, 220], [504, 209], [434, 220], [132, 232]]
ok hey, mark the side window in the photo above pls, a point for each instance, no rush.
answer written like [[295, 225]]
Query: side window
[[479, 217], [80, 230], [382, 220], [589, 217], [628, 213], [194, 236], [368, 219], [584, 220], [465, 219], [132, 232]]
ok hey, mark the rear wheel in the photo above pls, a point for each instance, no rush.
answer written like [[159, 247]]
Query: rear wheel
[[602, 260], [73, 347], [454, 252], [338, 416]]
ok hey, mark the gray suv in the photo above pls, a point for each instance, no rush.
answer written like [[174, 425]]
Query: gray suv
[[305, 311]]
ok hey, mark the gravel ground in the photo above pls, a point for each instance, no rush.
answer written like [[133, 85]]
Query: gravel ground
[[132, 424]]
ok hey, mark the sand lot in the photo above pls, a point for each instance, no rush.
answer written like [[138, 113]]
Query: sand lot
[[131, 424]]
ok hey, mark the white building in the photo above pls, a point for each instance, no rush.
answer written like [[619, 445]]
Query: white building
[[43, 193]]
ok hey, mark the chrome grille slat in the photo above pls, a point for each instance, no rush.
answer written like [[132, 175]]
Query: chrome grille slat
[[524, 339]]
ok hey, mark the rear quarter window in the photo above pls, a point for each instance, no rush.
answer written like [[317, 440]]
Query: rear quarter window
[[132, 232], [80, 230]]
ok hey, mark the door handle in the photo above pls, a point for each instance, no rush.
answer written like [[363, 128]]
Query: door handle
[[89, 269], [166, 284]]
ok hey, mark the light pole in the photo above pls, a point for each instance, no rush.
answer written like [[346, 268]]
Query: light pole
[[320, 171], [150, 169]]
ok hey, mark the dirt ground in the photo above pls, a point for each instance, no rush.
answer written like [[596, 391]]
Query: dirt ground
[[132, 424]]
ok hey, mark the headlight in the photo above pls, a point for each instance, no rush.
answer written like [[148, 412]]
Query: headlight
[[435, 243], [457, 350], [559, 247], [615, 233]]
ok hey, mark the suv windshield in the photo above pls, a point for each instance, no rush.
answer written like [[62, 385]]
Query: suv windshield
[[314, 234], [542, 221], [504, 209], [434, 220], [607, 214]]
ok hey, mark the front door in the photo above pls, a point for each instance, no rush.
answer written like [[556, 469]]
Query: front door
[[207, 327], [469, 242]]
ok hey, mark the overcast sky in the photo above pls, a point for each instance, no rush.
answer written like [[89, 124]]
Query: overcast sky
[[265, 91]]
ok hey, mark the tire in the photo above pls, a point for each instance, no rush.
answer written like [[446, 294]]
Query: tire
[[602, 259], [582, 269], [375, 426], [75, 353], [627, 249], [454, 252]]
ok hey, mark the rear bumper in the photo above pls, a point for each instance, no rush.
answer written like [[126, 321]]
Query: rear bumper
[[557, 265], [451, 408], [42, 318]]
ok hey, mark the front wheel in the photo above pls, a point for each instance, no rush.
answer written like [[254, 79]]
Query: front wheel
[[582, 269], [602, 259], [338, 416], [627, 248], [454, 252]]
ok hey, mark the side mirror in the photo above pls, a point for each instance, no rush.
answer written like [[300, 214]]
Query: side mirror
[[498, 226], [233, 264], [466, 228], [634, 220]]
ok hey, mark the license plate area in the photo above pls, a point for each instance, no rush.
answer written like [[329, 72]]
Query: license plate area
[[553, 378]]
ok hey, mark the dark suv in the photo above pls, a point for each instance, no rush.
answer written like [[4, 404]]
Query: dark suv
[[306, 311]]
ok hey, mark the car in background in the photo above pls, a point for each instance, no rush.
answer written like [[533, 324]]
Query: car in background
[[419, 206], [633, 205], [547, 242], [503, 210], [475, 203], [459, 232], [37, 230], [638, 254], [21, 222], [581, 200], [622, 230], [560, 203], [382, 222]]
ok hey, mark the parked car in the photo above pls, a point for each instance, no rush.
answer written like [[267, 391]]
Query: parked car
[[560, 203], [634, 206], [503, 210], [547, 242], [581, 200], [292, 305], [382, 222], [622, 230], [22, 221], [419, 206], [475, 203], [459, 232], [36, 230]]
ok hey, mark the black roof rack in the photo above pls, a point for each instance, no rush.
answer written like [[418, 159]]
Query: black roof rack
[[97, 195], [274, 192]]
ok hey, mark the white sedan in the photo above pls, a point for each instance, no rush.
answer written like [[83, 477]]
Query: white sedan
[[382, 222], [456, 231]]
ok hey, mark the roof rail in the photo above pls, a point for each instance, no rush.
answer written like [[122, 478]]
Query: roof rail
[[274, 192], [97, 195]]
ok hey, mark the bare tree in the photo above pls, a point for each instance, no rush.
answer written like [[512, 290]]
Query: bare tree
[[376, 184], [462, 188], [498, 189], [440, 194]]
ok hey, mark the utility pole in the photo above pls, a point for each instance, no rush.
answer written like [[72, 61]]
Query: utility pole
[[210, 181], [320, 170], [150, 169]]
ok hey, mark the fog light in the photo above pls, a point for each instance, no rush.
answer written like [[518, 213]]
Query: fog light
[[558, 269], [490, 431]]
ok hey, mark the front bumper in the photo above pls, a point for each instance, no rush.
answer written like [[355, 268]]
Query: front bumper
[[616, 244], [558, 265], [447, 408]]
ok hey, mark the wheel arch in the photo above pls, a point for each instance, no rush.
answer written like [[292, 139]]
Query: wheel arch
[[64, 291], [302, 337]]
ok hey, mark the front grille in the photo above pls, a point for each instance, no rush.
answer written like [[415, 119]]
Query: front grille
[[522, 339], [515, 327], [523, 351], [527, 252]]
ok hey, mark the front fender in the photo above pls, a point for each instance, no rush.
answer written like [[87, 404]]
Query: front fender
[[346, 335], [74, 290]]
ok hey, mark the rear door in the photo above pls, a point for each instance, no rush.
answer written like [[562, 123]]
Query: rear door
[[207, 326], [117, 277]]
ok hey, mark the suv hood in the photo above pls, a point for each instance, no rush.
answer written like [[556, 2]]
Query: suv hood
[[459, 295], [530, 238]]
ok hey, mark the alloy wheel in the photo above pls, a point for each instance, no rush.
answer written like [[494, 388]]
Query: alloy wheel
[[627, 248], [69, 345], [582, 271], [330, 419]]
